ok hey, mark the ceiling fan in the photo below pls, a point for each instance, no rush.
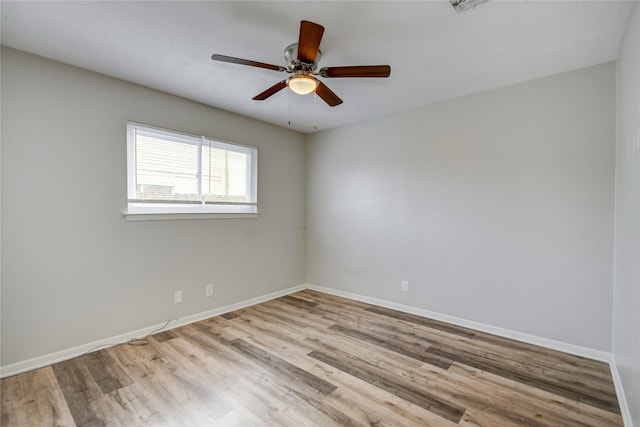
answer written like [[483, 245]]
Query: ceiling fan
[[302, 61]]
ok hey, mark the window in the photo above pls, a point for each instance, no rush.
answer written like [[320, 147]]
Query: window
[[171, 173]]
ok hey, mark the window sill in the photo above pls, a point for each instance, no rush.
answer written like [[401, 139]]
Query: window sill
[[165, 216]]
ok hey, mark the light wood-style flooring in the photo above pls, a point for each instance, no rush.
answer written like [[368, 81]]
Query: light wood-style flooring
[[312, 359]]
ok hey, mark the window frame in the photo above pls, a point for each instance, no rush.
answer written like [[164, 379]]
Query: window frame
[[199, 209]]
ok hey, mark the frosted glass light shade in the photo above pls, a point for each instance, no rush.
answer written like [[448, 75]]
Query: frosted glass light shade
[[302, 85]]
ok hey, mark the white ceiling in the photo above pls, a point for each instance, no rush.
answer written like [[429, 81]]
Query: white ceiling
[[435, 53]]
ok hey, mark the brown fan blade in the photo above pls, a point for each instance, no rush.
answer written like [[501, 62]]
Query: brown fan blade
[[272, 90], [241, 61], [327, 95], [309, 41], [357, 71]]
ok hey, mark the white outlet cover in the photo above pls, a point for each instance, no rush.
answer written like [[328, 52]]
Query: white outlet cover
[[177, 297], [208, 290]]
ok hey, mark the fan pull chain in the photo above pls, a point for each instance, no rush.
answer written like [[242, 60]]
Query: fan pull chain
[[315, 98], [289, 98]]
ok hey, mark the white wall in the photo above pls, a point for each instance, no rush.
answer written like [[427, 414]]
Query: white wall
[[496, 207], [73, 270], [626, 313]]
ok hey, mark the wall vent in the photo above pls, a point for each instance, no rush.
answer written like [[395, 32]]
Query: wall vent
[[462, 5]]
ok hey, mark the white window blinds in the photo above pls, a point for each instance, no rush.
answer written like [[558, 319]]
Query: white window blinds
[[168, 169]]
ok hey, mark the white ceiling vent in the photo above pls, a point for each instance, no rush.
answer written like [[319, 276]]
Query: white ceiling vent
[[462, 5]]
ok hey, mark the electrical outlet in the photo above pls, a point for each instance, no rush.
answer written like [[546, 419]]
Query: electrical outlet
[[404, 285], [177, 297], [208, 291]]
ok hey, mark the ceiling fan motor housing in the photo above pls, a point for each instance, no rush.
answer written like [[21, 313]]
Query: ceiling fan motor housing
[[294, 64]]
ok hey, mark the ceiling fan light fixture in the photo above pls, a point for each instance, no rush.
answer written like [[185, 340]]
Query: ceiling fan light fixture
[[302, 85]]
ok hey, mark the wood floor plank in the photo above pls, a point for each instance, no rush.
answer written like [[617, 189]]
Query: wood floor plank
[[298, 302], [268, 327], [252, 392], [292, 315], [593, 374], [552, 378], [430, 378], [415, 353], [389, 412], [549, 405], [81, 393], [89, 406], [164, 336], [249, 386], [495, 402], [13, 405], [302, 389], [230, 315], [374, 403], [328, 405], [517, 350], [180, 397], [409, 392], [312, 359], [423, 321], [296, 375], [134, 401], [573, 391], [259, 329], [34, 395], [108, 375]]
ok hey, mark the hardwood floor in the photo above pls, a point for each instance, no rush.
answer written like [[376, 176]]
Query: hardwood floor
[[311, 359]]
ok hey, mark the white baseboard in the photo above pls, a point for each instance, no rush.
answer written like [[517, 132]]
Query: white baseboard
[[622, 399], [70, 353], [577, 350]]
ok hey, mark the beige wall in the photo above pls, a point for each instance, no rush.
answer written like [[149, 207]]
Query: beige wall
[[496, 207], [73, 269]]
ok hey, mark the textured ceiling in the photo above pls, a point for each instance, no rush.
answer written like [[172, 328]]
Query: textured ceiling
[[435, 53]]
